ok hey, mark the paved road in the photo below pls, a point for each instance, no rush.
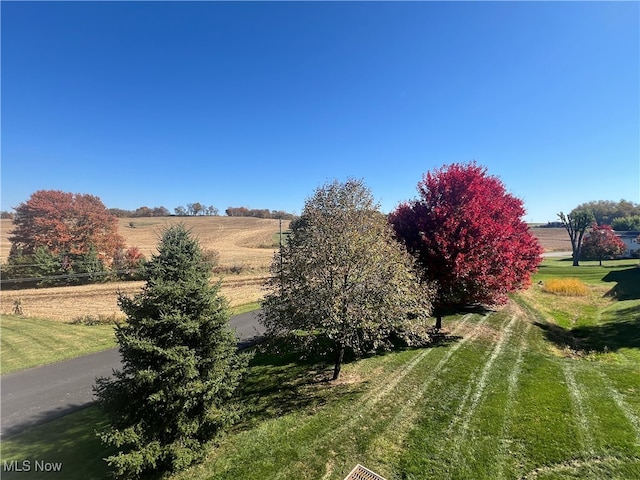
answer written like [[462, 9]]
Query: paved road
[[557, 254], [40, 394]]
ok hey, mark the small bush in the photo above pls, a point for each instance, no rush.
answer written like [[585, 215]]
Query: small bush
[[569, 287], [99, 319]]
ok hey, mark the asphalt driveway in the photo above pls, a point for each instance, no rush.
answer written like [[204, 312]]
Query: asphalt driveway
[[38, 395]]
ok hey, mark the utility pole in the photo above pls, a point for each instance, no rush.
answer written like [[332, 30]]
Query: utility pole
[[280, 242]]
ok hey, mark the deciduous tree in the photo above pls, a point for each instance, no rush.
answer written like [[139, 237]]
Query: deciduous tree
[[65, 223], [180, 365], [577, 222], [602, 242], [606, 211], [341, 278], [629, 223], [469, 238]]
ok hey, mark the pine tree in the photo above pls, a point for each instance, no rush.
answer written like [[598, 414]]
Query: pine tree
[[180, 365]]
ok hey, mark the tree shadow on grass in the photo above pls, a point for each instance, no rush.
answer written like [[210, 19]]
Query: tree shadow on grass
[[610, 336], [284, 379], [69, 441], [627, 283], [282, 383]]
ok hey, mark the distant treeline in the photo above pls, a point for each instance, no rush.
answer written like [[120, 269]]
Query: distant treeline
[[191, 210], [140, 212], [199, 209], [258, 213], [622, 216]]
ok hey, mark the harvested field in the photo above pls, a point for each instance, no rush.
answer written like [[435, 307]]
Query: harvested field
[[67, 303], [552, 239], [241, 241]]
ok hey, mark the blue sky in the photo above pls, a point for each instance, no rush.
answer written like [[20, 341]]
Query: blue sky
[[257, 104]]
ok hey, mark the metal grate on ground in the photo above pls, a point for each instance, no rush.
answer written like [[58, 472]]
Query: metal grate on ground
[[362, 473]]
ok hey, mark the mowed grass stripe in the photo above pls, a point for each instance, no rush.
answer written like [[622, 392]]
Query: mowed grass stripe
[[480, 443], [474, 437], [609, 425], [429, 446], [385, 448], [373, 418], [544, 425], [504, 455], [479, 387], [580, 412], [625, 408], [299, 445]]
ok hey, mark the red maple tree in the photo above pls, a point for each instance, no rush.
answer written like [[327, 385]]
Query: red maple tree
[[65, 223], [602, 242], [469, 237]]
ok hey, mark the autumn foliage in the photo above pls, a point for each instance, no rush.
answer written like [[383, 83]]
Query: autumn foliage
[[63, 237], [65, 223], [601, 243], [468, 235]]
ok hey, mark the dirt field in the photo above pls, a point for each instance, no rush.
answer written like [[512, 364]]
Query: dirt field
[[68, 303]]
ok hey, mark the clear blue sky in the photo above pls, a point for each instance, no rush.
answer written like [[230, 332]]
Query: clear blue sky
[[257, 104]]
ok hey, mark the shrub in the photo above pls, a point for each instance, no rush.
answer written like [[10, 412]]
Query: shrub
[[569, 287], [99, 319]]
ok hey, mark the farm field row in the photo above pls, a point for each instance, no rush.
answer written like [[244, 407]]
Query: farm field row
[[65, 304]]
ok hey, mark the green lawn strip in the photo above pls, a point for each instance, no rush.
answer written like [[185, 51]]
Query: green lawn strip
[[450, 427], [482, 448], [331, 435], [334, 436], [247, 307], [69, 441], [29, 342], [544, 428], [609, 417]]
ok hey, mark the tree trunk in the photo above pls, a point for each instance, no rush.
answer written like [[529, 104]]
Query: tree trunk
[[576, 255], [339, 357], [438, 322]]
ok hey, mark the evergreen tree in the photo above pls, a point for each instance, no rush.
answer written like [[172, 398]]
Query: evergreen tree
[[180, 365]]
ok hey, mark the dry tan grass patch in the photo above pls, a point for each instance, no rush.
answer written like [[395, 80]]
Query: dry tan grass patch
[[240, 242], [568, 287]]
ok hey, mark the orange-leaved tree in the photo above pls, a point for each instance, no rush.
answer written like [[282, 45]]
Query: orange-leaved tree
[[62, 236]]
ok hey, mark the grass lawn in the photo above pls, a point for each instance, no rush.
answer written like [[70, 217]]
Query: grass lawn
[[30, 342], [546, 387]]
